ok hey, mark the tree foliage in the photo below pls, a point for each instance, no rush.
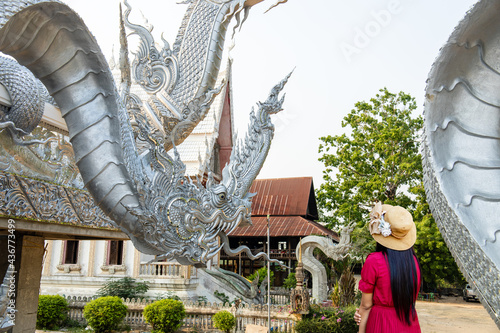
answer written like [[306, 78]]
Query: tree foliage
[[378, 160], [52, 311], [375, 161], [105, 313], [165, 316], [435, 258], [290, 281], [224, 320], [126, 287], [262, 273]]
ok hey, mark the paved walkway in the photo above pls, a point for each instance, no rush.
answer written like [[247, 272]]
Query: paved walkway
[[454, 316]]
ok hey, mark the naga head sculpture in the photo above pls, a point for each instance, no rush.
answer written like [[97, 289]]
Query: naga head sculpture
[[183, 219]]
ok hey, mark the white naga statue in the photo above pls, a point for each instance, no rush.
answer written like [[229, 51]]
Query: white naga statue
[[339, 251]]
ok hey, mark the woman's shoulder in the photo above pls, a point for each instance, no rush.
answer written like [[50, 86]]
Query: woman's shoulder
[[374, 259], [375, 256], [372, 265]]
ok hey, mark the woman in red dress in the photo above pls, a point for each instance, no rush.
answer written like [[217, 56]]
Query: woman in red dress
[[390, 278]]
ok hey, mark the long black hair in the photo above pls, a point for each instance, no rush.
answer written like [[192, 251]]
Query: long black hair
[[404, 281]]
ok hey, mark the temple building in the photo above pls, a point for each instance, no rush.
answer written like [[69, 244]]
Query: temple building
[[291, 206]]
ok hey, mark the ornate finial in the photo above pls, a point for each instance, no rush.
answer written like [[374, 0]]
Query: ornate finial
[[153, 69], [299, 296], [123, 60]]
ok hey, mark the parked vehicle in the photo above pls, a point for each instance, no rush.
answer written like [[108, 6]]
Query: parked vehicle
[[469, 294]]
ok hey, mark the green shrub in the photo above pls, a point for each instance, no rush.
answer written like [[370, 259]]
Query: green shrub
[[165, 316], [105, 313], [347, 286], [290, 281], [357, 298], [71, 323], [169, 295], [335, 295], [224, 320], [52, 311], [262, 275], [126, 287], [328, 320]]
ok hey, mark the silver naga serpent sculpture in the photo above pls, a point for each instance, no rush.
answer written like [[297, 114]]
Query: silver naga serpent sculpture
[[460, 149], [146, 194]]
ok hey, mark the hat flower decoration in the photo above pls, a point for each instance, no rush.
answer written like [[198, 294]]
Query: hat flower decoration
[[377, 223]]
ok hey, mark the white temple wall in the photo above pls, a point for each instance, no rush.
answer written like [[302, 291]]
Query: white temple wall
[[91, 272]]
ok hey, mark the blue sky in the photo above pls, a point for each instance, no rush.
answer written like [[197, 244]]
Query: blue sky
[[342, 52]]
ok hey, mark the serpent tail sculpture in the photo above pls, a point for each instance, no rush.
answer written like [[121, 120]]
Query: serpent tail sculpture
[[250, 292], [336, 251], [461, 152], [146, 193]]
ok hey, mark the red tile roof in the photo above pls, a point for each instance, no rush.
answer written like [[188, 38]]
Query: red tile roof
[[282, 226], [284, 196]]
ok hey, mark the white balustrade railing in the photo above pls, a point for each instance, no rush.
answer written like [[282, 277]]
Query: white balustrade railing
[[279, 296], [166, 270], [199, 315]]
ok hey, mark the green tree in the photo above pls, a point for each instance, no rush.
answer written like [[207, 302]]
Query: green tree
[[378, 160], [375, 161], [290, 281], [262, 275], [435, 258]]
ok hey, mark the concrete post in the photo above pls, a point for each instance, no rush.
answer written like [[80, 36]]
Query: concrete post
[[30, 255]]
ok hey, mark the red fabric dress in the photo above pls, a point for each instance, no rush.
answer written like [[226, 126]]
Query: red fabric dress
[[376, 280]]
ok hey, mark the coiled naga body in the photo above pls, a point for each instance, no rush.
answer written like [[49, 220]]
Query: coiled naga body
[[461, 149], [146, 193]]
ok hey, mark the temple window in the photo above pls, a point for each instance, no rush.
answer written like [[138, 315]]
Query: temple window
[[70, 252], [115, 252]]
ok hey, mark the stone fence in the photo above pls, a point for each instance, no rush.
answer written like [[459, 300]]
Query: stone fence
[[199, 315]]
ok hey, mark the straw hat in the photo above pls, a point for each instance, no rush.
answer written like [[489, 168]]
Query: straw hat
[[392, 226]]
